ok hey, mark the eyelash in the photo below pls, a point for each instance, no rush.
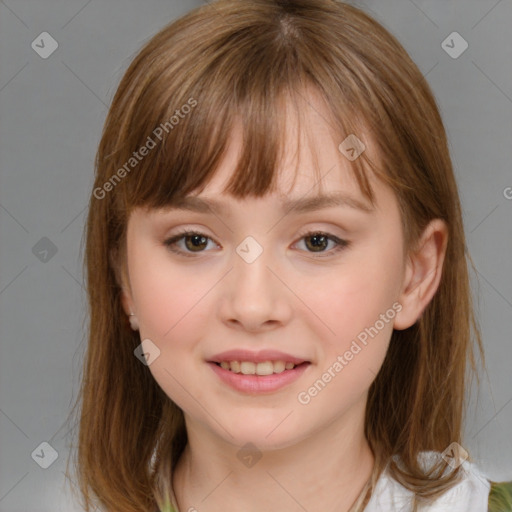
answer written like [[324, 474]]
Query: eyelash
[[340, 244]]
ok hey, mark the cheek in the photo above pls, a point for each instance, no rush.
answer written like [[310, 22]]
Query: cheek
[[359, 309], [356, 302], [168, 305], [355, 294], [165, 294]]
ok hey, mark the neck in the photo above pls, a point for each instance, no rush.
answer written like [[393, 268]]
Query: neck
[[327, 470]]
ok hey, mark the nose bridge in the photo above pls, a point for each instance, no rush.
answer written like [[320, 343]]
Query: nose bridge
[[251, 266], [254, 297]]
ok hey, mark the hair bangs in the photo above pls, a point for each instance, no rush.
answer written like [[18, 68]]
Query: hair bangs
[[244, 90]]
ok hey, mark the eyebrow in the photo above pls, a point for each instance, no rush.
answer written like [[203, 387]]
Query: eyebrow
[[300, 205]]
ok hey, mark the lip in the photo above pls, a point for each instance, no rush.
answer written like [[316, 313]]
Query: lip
[[256, 357], [258, 384]]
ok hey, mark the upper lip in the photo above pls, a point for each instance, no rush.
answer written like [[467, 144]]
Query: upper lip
[[256, 357]]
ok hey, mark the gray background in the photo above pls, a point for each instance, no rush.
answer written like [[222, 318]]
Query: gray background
[[52, 112]]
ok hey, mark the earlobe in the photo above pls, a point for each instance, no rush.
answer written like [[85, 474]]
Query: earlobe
[[134, 322], [422, 274], [127, 303]]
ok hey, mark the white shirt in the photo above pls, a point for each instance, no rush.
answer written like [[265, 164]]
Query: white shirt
[[471, 494]]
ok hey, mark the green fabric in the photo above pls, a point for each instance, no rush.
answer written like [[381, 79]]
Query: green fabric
[[168, 507], [500, 497]]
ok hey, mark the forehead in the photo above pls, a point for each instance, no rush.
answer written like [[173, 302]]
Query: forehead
[[313, 161]]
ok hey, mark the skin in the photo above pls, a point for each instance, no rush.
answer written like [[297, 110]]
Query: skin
[[305, 303]]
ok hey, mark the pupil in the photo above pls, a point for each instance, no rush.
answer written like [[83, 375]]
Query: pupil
[[316, 242], [195, 238]]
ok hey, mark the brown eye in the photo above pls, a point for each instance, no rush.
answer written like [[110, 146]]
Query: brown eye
[[194, 242], [317, 242]]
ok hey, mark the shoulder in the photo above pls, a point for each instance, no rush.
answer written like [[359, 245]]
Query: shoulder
[[472, 492], [500, 497]]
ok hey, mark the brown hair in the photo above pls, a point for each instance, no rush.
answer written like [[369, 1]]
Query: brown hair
[[237, 61]]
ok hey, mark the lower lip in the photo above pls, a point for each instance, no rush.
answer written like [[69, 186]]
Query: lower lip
[[259, 383]]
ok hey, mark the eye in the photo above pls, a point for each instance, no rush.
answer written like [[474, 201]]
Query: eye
[[196, 242], [318, 240], [193, 240]]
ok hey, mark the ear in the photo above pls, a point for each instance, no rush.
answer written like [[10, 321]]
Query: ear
[[422, 274], [122, 280]]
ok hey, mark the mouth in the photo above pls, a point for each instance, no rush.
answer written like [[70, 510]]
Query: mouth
[[261, 369], [260, 377]]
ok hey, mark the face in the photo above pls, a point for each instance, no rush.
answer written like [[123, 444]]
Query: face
[[315, 286]]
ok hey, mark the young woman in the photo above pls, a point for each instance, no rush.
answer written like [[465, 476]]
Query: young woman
[[280, 310]]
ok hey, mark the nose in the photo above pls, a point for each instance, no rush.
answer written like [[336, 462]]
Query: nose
[[254, 295]]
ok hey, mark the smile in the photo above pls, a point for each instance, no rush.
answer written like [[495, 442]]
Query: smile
[[250, 368], [256, 378]]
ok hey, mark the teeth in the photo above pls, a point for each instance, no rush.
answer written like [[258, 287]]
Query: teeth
[[266, 368], [235, 366], [279, 366], [247, 368], [250, 368]]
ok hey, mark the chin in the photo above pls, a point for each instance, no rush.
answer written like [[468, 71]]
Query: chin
[[266, 432]]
